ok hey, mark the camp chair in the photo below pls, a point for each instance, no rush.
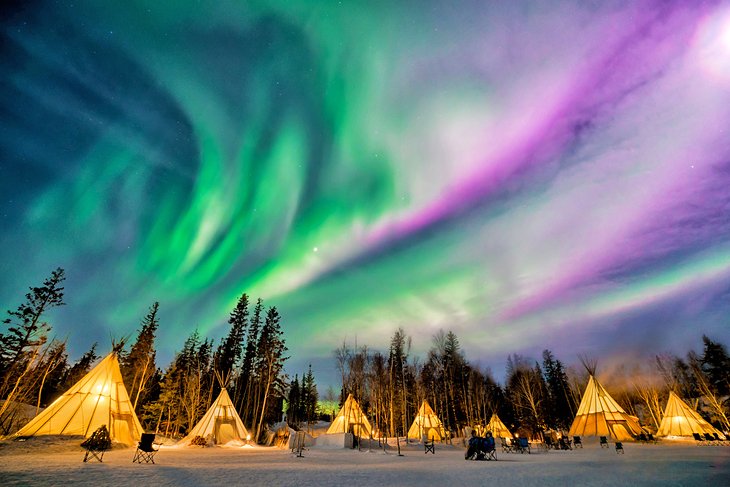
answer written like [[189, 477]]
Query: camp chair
[[523, 445], [577, 442], [492, 454], [481, 449], [549, 443], [506, 445], [564, 444], [619, 447], [604, 442], [429, 446], [145, 449], [96, 444], [642, 438], [700, 440], [651, 438]]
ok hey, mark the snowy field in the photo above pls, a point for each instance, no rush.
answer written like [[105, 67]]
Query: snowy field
[[59, 462]]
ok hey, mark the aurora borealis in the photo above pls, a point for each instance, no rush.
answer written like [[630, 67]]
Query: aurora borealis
[[526, 174]]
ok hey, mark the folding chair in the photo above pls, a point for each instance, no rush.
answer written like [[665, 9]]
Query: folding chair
[[564, 443], [577, 442], [619, 447], [96, 444], [604, 442], [523, 445], [700, 440], [548, 442], [491, 449], [506, 445], [429, 446], [145, 449]]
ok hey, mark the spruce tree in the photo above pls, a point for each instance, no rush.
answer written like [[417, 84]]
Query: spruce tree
[[245, 380], [138, 366], [270, 361], [309, 397], [558, 410], [25, 330], [80, 368], [715, 364], [23, 346], [230, 350], [294, 400]]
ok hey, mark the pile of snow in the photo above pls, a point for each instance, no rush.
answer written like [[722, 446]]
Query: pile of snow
[[17, 415]]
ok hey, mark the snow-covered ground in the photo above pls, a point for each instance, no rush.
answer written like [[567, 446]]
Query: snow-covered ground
[[57, 461]]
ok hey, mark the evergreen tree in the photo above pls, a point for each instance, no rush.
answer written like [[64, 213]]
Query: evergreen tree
[[397, 407], [715, 363], [269, 362], [25, 330], [23, 350], [246, 380], [294, 409], [309, 397], [229, 352], [559, 411], [138, 366], [79, 369]]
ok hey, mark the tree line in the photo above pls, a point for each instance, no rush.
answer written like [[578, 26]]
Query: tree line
[[537, 395], [249, 361]]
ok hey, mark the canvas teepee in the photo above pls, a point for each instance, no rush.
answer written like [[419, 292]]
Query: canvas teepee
[[220, 423], [497, 427], [599, 415], [351, 419], [427, 424], [99, 398], [681, 420]]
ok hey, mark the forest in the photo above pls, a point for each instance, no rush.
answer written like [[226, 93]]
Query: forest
[[249, 360]]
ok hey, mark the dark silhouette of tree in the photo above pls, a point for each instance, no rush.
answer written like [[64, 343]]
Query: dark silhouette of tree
[[269, 363], [230, 350], [138, 366], [559, 410], [309, 397], [246, 379], [79, 369], [715, 363], [294, 413], [22, 346]]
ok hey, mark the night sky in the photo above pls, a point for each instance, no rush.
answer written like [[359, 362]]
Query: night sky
[[529, 175]]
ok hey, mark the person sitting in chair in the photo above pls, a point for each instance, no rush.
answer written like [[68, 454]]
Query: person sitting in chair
[[480, 448], [489, 442]]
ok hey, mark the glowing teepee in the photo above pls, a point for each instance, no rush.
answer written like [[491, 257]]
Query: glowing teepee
[[99, 398], [220, 423], [498, 428], [599, 415], [351, 419], [426, 424], [681, 420]]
